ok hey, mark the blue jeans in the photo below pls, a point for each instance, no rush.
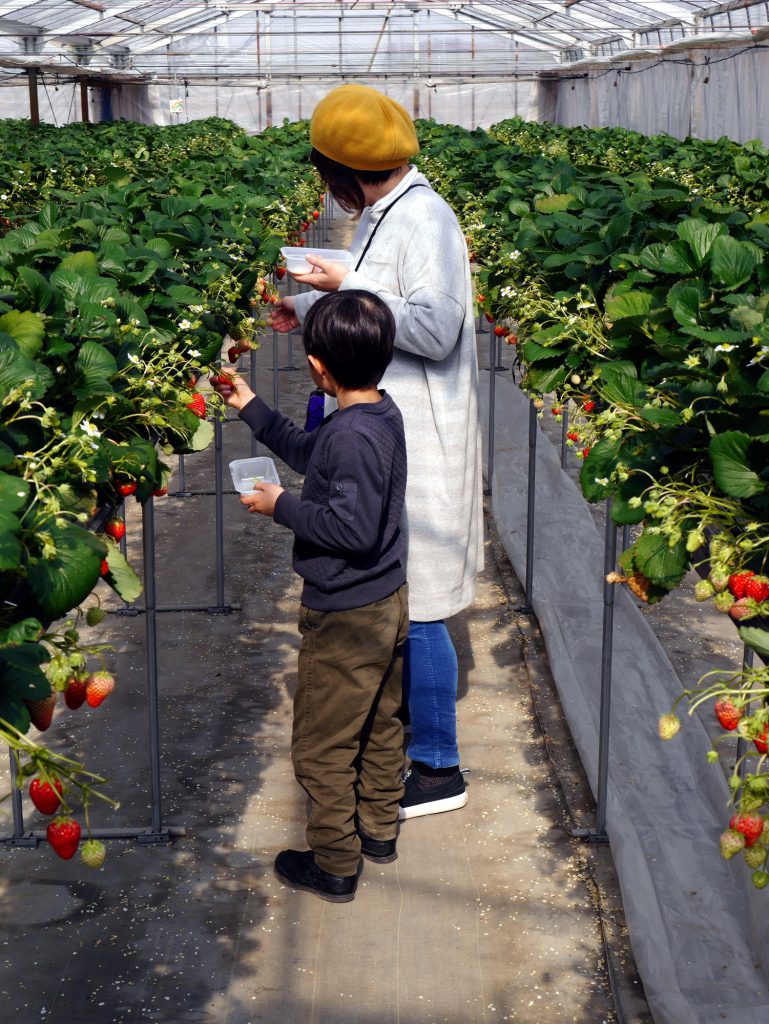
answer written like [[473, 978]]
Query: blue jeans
[[430, 675]]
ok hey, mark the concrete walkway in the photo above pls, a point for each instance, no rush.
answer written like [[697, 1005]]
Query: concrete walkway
[[488, 915]]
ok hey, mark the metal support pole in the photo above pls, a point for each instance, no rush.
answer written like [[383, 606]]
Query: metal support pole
[[492, 405], [19, 838], [499, 354], [598, 834], [150, 624], [219, 513], [252, 382], [564, 432], [532, 477], [742, 743], [181, 488]]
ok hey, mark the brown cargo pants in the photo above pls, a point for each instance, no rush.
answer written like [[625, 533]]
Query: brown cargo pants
[[347, 740]]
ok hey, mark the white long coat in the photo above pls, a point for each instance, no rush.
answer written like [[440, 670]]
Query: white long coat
[[418, 265]]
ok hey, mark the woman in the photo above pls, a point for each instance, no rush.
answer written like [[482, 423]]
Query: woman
[[410, 250]]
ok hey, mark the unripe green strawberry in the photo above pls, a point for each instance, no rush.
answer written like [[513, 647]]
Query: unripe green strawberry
[[669, 726], [93, 853], [94, 616], [743, 608], [703, 590], [723, 601], [755, 856], [731, 843], [719, 580], [760, 879], [694, 540]]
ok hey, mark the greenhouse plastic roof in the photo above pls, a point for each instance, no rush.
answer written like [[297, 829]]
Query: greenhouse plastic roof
[[406, 39], [350, 38]]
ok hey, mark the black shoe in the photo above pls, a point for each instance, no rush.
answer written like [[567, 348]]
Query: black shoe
[[381, 851], [299, 870], [431, 794]]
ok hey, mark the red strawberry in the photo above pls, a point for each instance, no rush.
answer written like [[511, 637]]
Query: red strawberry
[[757, 587], [104, 566], [489, 317], [738, 581], [762, 741], [233, 353], [115, 528], [98, 687], [727, 713], [160, 492], [588, 406], [751, 826], [499, 330], [125, 488], [41, 711], [573, 435], [585, 452], [74, 695], [512, 339], [556, 410], [198, 405], [315, 214], [742, 609], [45, 796], [481, 298], [280, 273], [63, 834]]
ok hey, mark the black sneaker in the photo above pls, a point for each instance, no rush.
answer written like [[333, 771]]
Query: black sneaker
[[431, 794], [299, 870], [381, 851]]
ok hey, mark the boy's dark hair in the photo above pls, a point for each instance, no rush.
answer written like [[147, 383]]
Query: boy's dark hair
[[344, 182], [353, 333]]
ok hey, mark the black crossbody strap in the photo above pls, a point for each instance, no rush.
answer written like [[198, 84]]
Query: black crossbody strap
[[417, 184]]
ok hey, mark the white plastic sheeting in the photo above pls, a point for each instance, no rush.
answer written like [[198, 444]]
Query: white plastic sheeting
[[254, 107], [698, 928], [705, 93]]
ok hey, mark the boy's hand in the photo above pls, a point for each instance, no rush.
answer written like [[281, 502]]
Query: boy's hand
[[233, 389], [326, 276], [263, 499], [282, 317]]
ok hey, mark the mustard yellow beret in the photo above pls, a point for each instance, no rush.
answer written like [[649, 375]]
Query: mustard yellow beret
[[363, 129]]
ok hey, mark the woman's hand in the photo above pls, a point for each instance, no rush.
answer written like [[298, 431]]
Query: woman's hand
[[282, 317], [263, 499], [233, 389], [326, 277]]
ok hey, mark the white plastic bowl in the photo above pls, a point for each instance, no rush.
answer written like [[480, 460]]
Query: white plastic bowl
[[247, 472], [296, 258]]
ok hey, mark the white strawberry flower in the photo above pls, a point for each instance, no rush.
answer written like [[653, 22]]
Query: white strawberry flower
[[90, 429]]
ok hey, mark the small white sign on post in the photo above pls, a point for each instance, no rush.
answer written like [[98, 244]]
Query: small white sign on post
[[176, 106]]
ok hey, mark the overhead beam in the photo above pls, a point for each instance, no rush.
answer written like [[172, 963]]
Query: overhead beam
[[9, 27]]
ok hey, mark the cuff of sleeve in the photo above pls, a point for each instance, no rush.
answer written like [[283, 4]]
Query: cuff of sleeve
[[302, 303], [285, 509]]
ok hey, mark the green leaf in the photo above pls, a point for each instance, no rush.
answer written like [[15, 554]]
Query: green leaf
[[38, 287], [554, 203], [661, 417], [677, 259], [202, 437], [756, 638], [621, 385], [27, 329], [97, 366], [11, 551], [732, 263], [20, 673], [62, 582], [26, 631], [544, 381], [121, 577], [13, 492], [699, 235], [629, 304], [598, 466], [729, 457], [684, 301], [84, 263], [660, 563]]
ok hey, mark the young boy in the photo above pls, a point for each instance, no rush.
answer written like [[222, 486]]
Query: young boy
[[347, 738]]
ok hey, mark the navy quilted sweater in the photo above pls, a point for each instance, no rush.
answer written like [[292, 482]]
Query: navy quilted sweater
[[348, 546]]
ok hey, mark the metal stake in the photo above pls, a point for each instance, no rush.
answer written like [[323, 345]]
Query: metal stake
[[564, 432], [598, 834], [742, 743], [150, 623], [492, 404], [275, 377], [528, 608]]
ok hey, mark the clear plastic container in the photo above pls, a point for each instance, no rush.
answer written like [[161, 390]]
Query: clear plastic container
[[247, 472], [296, 258]]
